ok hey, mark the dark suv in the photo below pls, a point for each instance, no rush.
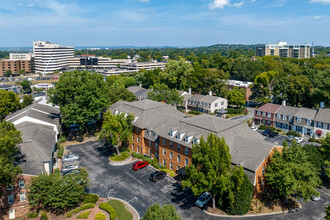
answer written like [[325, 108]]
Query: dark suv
[[158, 175], [266, 132]]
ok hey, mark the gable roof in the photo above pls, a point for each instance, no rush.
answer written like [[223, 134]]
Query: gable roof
[[204, 98], [323, 115], [269, 107], [137, 90]]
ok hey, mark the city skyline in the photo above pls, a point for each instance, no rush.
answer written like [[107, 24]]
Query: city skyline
[[164, 23]]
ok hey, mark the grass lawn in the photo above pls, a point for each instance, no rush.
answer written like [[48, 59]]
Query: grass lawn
[[123, 156], [235, 115], [121, 211]]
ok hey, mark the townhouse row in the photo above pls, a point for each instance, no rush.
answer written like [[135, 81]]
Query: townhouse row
[[312, 122], [160, 131]]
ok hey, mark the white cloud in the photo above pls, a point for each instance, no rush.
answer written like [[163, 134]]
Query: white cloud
[[144, 0], [253, 1], [218, 4], [317, 17], [29, 5], [321, 1], [238, 4], [20, 4]]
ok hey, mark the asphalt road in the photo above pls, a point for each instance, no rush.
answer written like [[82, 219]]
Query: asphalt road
[[246, 117], [136, 188]]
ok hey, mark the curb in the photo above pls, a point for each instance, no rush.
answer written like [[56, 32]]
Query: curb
[[251, 215], [120, 163], [123, 201]]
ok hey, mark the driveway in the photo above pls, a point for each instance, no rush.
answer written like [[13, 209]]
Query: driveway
[[136, 188], [246, 117]]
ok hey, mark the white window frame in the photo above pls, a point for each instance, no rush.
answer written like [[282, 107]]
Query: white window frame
[[278, 116], [11, 199], [258, 113], [298, 119], [22, 197], [284, 117], [149, 153], [21, 184], [138, 139], [309, 121], [171, 155], [164, 162], [171, 166], [186, 162], [178, 159], [269, 115], [263, 114], [164, 151], [133, 137]]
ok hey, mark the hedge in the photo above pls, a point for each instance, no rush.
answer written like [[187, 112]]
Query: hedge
[[264, 127], [100, 216], [43, 216], [193, 112], [60, 152], [293, 133], [84, 215], [90, 198], [109, 209], [172, 174], [234, 110], [32, 214], [78, 209]]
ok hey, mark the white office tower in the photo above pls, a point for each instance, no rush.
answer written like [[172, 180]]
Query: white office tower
[[51, 57]]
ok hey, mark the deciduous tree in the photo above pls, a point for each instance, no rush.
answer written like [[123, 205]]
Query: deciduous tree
[[26, 86], [9, 103], [236, 97], [27, 100], [160, 92], [116, 129], [155, 212]]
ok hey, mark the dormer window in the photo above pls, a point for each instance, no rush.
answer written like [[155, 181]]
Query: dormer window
[[284, 117], [21, 184], [264, 114], [196, 141], [298, 119], [116, 112], [172, 133], [268, 114], [308, 121], [290, 118], [258, 113], [278, 116]]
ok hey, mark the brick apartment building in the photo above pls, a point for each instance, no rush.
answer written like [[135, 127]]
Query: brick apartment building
[[15, 66], [160, 131]]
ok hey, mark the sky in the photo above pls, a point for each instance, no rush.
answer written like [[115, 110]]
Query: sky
[[163, 22]]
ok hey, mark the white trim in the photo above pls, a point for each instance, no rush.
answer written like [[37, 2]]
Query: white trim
[[36, 121]]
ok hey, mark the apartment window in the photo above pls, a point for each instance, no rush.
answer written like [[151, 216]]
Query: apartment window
[[164, 162], [132, 146], [186, 139], [222, 103], [133, 137], [138, 130], [290, 119], [268, 114], [299, 128], [178, 147], [179, 159], [149, 143], [284, 117], [298, 119], [138, 148], [171, 166], [171, 144], [215, 104], [264, 114], [319, 124], [149, 153], [21, 184], [186, 150], [186, 162], [138, 140], [171, 155], [10, 187], [22, 197], [278, 116], [308, 121], [156, 155], [10, 199], [156, 146], [164, 141], [164, 151]]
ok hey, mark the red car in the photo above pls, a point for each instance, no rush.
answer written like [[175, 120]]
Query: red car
[[140, 165]]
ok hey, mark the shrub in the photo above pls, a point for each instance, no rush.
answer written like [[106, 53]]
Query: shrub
[[62, 139], [84, 214], [81, 208], [162, 167], [137, 155], [32, 214], [262, 127], [193, 112], [100, 216], [90, 198], [279, 130], [57, 173], [108, 208], [171, 172], [44, 216], [312, 140], [293, 133], [234, 110], [60, 152]]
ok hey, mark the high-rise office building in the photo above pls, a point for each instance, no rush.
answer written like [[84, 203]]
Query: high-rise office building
[[282, 49], [51, 57]]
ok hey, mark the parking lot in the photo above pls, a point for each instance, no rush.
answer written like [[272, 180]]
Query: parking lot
[[136, 188]]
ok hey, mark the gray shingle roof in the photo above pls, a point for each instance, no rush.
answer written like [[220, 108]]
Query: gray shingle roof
[[323, 115], [287, 110], [137, 90], [204, 98]]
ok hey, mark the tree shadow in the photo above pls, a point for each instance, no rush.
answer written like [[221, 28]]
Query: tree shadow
[[184, 197], [105, 150]]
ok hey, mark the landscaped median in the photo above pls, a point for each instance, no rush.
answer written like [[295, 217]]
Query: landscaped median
[[122, 159]]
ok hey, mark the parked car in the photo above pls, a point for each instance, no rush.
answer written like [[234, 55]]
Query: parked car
[[70, 167], [71, 172], [273, 134], [299, 139], [289, 138], [316, 198], [158, 175], [71, 157], [140, 165], [203, 199], [266, 132], [254, 128]]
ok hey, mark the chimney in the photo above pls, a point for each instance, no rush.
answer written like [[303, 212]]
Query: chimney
[[283, 102], [321, 104], [210, 93], [189, 91], [140, 85]]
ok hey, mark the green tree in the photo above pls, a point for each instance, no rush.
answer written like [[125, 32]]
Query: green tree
[[26, 86], [315, 156], [27, 100], [9, 140], [210, 167], [327, 212], [264, 84], [236, 97], [177, 74], [239, 200], [160, 92], [8, 73], [155, 212], [325, 149], [291, 172], [57, 195], [21, 72], [9, 103], [121, 94], [82, 97], [116, 129]]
